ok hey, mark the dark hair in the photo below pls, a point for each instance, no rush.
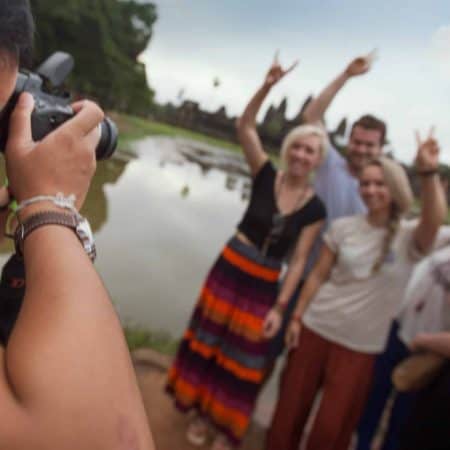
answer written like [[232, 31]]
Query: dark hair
[[371, 123], [16, 31]]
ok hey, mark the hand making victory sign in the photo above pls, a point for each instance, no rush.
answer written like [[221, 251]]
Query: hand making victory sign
[[427, 158], [276, 72]]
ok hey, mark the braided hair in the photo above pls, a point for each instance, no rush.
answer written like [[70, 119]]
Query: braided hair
[[402, 197], [392, 227]]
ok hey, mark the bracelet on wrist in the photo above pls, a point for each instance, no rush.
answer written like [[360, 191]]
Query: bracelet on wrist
[[58, 200], [74, 221]]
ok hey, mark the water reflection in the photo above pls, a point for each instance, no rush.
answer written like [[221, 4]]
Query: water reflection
[[96, 204], [169, 215]]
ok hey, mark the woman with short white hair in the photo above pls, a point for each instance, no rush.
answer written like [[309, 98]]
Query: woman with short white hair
[[224, 355]]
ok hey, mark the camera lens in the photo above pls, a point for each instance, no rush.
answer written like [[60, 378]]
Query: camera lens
[[108, 139]]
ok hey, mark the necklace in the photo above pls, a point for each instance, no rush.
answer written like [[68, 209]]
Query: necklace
[[279, 219], [298, 202]]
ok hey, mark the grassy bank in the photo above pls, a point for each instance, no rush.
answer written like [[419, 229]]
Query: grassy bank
[[132, 128], [160, 341]]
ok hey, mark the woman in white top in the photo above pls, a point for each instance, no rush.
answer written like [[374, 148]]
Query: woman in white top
[[349, 300]]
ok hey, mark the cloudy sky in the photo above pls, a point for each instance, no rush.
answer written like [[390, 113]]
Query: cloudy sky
[[409, 85]]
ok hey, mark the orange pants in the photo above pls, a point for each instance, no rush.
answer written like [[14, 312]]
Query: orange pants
[[343, 375]]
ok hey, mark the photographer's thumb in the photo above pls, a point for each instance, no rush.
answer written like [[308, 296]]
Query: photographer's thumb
[[20, 139]]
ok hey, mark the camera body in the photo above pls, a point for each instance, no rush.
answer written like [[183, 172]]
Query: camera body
[[52, 105]]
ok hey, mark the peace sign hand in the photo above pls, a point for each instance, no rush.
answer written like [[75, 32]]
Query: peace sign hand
[[276, 72], [427, 157]]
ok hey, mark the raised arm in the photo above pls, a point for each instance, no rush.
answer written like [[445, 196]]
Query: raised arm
[[246, 124], [433, 201], [66, 380], [316, 278], [315, 110]]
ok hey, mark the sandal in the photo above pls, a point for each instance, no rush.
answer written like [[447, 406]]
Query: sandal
[[197, 432], [221, 442]]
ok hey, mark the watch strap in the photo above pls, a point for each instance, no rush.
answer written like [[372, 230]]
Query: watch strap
[[40, 219]]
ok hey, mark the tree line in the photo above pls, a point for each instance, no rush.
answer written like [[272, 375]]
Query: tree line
[[105, 37]]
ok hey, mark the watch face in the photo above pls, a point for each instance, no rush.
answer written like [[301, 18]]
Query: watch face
[[86, 237]]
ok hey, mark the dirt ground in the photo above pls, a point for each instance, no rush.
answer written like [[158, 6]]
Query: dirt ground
[[168, 426]]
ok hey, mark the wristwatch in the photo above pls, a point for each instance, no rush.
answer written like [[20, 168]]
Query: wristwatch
[[76, 222]]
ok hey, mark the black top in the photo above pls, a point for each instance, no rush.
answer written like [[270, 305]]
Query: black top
[[260, 222]]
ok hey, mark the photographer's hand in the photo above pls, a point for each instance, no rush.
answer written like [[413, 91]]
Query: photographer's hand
[[64, 161]]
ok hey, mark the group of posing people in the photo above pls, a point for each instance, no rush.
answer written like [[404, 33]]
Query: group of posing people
[[350, 254], [66, 379]]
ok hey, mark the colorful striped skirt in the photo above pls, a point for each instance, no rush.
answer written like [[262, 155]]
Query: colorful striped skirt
[[223, 358]]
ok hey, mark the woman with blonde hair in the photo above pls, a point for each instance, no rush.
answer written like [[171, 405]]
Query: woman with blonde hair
[[223, 357], [347, 304]]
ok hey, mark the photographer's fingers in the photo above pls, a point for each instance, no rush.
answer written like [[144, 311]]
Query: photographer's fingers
[[87, 116], [93, 137], [20, 137]]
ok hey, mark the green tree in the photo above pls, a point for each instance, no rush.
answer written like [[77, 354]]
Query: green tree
[[105, 38]]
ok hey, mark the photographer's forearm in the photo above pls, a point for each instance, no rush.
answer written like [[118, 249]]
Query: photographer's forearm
[[316, 109], [75, 346]]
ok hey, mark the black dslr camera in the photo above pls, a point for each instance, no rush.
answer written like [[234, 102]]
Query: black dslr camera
[[52, 105]]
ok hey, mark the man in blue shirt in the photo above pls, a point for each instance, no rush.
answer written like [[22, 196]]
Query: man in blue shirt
[[336, 180]]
